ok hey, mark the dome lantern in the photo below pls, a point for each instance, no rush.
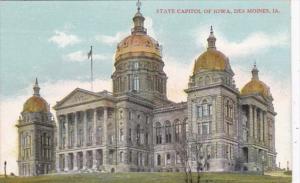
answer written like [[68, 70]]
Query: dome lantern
[[211, 40], [255, 72], [36, 88], [138, 21]]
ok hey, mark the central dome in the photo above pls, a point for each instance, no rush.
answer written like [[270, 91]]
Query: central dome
[[211, 59], [138, 45]]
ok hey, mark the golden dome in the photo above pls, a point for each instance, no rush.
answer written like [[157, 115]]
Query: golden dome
[[35, 104], [137, 45], [255, 86], [212, 59]]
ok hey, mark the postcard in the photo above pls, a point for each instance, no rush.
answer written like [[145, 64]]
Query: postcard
[[145, 91]]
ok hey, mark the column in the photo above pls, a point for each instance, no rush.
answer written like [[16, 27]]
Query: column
[[104, 156], [255, 123], [75, 161], [251, 126], [265, 128], [75, 130], [95, 159], [67, 131], [59, 133], [66, 162], [105, 117], [84, 160], [84, 128], [95, 126], [261, 126], [57, 163]]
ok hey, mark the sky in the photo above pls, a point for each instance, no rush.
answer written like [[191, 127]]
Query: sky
[[50, 40]]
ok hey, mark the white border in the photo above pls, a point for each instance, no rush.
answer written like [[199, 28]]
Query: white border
[[295, 39]]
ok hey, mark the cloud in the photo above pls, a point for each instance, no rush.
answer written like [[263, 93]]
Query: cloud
[[81, 56], [10, 109], [111, 40], [256, 42], [62, 39]]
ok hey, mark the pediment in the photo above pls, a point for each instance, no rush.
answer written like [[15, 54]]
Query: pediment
[[77, 96]]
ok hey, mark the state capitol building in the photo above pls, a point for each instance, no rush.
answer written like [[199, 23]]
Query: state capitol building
[[137, 128]]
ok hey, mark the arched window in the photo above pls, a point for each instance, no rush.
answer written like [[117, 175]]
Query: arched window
[[158, 160], [207, 80], [228, 109], [205, 109], [178, 129], [168, 158], [168, 132], [158, 133]]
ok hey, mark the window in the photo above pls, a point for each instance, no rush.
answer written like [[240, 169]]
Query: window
[[204, 110], [168, 132], [130, 157], [121, 156], [130, 115], [158, 160], [136, 65], [121, 135], [136, 83], [177, 131], [146, 138], [228, 109], [168, 158], [129, 135], [138, 134], [178, 158], [158, 133], [204, 128]]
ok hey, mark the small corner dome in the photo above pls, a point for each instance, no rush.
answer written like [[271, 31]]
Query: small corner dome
[[211, 59], [255, 86], [36, 103]]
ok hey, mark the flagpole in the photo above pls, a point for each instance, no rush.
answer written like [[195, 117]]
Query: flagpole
[[91, 68]]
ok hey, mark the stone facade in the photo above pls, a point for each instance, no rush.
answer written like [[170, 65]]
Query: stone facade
[[36, 128], [136, 127]]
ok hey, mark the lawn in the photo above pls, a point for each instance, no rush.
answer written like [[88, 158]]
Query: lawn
[[146, 178]]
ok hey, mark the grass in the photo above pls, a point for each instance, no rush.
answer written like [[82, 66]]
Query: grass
[[147, 178]]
